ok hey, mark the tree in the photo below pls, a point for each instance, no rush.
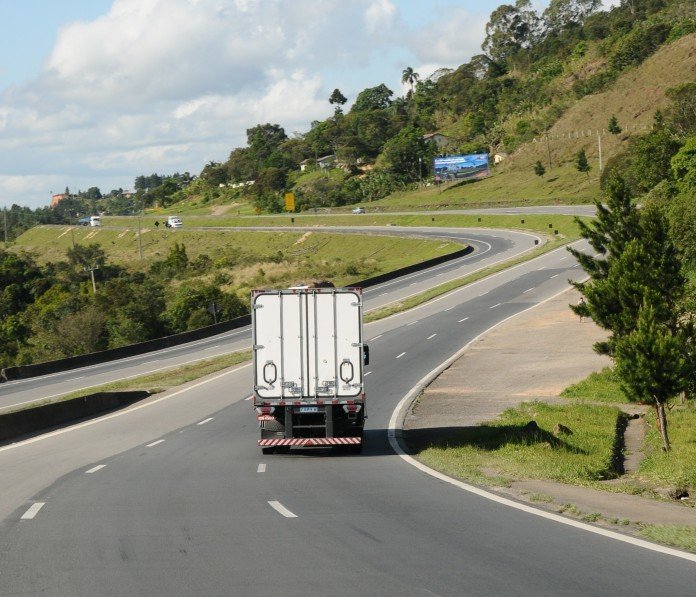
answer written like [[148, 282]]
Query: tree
[[650, 365], [373, 98], [510, 30], [410, 76], [337, 99], [615, 225], [581, 163], [402, 152], [682, 109], [264, 141], [564, 14], [652, 154], [539, 169], [613, 126]]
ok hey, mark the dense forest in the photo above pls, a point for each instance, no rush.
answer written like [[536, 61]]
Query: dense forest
[[533, 67]]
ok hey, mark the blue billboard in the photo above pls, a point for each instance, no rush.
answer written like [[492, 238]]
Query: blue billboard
[[459, 167]]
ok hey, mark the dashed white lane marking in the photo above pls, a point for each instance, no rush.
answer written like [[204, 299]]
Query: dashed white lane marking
[[383, 294], [563, 258], [431, 336], [204, 421], [448, 309], [367, 373], [278, 507], [413, 283], [375, 338], [399, 356], [496, 305], [542, 267], [412, 323], [248, 398], [528, 290], [33, 510], [261, 469], [94, 469], [159, 441], [461, 320], [554, 276]]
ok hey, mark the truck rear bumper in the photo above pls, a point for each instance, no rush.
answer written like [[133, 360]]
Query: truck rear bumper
[[312, 441]]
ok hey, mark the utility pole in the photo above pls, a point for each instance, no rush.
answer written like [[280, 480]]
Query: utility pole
[[140, 240], [91, 271], [599, 142]]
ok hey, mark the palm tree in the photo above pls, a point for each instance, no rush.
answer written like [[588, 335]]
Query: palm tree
[[409, 76]]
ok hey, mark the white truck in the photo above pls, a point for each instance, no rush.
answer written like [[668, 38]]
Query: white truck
[[308, 363]]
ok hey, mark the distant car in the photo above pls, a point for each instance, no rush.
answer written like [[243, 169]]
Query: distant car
[[89, 221], [174, 222], [359, 210]]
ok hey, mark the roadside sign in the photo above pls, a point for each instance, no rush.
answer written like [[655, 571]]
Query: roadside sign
[[289, 201]]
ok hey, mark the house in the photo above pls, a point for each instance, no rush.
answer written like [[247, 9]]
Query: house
[[442, 141], [327, 161]]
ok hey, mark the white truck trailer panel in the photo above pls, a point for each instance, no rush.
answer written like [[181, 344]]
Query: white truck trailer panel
[[308, 344]]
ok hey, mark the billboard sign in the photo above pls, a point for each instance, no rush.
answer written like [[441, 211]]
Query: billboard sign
[[460, 167]]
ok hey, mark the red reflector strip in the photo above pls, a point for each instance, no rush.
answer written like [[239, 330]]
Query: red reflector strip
[[312, 441]]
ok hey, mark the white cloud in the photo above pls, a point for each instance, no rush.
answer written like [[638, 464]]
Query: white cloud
[[450, 41], [168, 85], [380, 14]]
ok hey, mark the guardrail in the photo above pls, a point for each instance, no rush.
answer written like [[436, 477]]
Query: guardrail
[[112, 354]]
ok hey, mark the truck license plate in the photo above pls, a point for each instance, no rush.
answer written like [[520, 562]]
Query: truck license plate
[[309, 409]]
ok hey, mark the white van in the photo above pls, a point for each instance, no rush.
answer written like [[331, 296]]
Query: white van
[[95, 221], [174, 222]]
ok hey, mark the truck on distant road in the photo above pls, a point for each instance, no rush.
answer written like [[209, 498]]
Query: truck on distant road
[[308, 366]]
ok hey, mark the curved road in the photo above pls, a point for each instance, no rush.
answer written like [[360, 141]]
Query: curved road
[[173, 497]]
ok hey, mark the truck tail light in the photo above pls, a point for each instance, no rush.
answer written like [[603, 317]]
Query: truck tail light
[[352, 408], [265, 410]]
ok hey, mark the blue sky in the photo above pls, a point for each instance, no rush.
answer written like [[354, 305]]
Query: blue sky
[[97, 92]]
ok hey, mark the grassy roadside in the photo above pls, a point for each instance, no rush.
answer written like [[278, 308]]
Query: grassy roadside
[[512, 448], [160, 381]]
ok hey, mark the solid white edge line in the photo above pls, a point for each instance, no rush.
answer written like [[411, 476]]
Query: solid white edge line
[[119, 413], [394, 433], [262, 468], [159, 441], [94, 469], [204, 421], [33, 510], [278, 507]]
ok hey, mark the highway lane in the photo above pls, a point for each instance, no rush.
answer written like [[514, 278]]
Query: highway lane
[[490, 246], [185, 503]]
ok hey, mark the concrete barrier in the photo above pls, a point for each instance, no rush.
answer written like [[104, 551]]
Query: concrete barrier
[[41, 418]]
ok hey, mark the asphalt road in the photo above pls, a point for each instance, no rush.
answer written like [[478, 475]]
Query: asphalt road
[[173, 497]]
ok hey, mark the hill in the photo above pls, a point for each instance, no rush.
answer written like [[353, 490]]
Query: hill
[[633, 99]]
